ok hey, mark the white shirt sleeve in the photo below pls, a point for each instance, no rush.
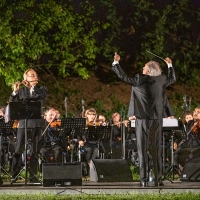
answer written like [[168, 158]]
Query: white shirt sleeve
[[14, 93], [169, 65], [115, 62]]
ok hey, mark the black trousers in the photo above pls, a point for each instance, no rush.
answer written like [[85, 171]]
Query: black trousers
[[56, 149], [91, 151], [34, 135], [149, 138], [182, 155]]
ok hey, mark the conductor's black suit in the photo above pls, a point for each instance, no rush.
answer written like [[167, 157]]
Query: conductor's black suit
[[148, 102]]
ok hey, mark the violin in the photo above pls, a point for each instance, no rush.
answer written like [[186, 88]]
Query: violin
[[125, 122], [55, 124], [16, 124], [94, 123], [196, 127]]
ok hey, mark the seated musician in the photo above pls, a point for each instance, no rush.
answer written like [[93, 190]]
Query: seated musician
[[102, 120], [188, 116], [52, 138], [189, 148], [86, 145], [7, 142], [2, 113], [116, 137]]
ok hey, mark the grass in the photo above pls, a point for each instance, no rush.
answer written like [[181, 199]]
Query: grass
[[186, 196]]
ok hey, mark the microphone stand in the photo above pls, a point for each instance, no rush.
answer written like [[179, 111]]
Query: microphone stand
[[111, 137]]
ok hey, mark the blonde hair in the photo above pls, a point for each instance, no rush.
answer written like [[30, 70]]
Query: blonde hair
[[90, 111]]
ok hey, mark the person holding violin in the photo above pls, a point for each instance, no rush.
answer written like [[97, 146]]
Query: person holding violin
[[29, 92], [52, 137], [189, 148], [2, 114], [7, 142], [116, 136], [86, 145], [102, 120]]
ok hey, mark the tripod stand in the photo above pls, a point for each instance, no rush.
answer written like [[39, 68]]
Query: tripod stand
[[23, 111], [5, 130], [74, 124], [170, 172]]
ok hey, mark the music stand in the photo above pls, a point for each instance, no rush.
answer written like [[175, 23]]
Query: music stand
[[170, 172], [23, 111], [98, 133], [5, 130], [74, 123]]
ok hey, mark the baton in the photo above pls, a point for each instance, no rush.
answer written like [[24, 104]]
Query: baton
[[155, 55]]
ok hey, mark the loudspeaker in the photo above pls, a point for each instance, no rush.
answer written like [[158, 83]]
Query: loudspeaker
[[110, 170], [191, 170], [61, 174]]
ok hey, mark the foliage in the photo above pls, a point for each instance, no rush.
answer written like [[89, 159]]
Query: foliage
[[46, 35], [67, 38], [135, 173], [167, 28]]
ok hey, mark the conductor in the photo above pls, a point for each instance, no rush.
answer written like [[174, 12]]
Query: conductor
[[148, 102]]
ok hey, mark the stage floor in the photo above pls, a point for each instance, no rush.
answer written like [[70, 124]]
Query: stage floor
[[89, 187]]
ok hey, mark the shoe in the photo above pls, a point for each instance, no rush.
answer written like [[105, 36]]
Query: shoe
[[13, 180], [159, 184], [34, 180], [143, 184]]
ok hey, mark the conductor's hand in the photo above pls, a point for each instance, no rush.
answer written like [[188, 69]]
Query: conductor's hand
[[16, 86], [168, 60], [116, 57]]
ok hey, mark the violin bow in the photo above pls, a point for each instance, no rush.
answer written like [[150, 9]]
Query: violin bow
[[83, 109], [65, 107], [48, 124]]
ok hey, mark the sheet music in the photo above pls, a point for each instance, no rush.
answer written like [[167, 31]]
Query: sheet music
[[167, 122]]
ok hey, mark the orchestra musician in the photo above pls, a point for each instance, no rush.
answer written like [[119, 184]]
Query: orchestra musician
[[52, 138], [86, 145], [115, 142], [7, 142], [116, 135], [102, 120], [29, 92], [2, 114], [189, 148], [148, 101]]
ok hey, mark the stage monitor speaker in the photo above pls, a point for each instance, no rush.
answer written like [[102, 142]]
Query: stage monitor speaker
[[191, 170], [61, 174], [110, 170]]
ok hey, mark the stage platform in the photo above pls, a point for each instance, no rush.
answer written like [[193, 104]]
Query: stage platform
[[89, 187]]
